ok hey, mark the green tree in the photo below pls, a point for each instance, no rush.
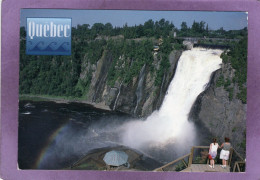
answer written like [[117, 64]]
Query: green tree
[[184, 26]]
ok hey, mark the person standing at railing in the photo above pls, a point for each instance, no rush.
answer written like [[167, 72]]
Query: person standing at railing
[[213, 150], [224, 154]]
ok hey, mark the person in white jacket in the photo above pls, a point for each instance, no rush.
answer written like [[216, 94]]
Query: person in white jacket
[[213, 150]]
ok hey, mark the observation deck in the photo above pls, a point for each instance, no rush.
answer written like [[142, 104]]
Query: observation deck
[[200, 163]]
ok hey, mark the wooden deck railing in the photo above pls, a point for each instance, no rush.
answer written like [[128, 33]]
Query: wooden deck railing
[[237, 164], [173, 162], [192, 152], [241, 158]]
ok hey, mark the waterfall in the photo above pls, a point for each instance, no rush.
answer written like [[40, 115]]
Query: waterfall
[[139, 90], [170, 123], [114, 107], [160, 95]]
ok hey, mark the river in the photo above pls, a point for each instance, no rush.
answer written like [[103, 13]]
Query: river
[[54, 135]]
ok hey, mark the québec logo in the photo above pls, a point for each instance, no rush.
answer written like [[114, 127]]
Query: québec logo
[[48, 36]]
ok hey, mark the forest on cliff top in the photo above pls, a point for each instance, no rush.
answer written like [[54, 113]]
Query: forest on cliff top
[[129, 48]]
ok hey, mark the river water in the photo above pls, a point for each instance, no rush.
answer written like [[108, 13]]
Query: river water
[[54, 135]]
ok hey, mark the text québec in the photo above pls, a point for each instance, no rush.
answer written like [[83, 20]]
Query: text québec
[[48, 30]]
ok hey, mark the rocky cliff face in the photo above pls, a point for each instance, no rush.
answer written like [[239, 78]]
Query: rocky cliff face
[[140, 97], [217, 114]]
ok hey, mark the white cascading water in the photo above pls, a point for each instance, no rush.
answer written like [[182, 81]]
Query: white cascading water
[[170, 124]]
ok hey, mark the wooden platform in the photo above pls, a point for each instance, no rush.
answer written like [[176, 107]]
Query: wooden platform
[[192, 166], [205, 168]]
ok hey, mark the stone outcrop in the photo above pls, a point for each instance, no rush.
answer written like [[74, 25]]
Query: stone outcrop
[[188, 44]]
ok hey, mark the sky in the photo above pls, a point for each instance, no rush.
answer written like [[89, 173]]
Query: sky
[[215, 20]]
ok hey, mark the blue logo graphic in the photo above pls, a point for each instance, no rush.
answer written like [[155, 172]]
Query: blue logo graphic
[[48, 36]]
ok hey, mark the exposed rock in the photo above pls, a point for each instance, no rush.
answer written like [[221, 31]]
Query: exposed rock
[[188, 44], [140, 97], [217, 115]]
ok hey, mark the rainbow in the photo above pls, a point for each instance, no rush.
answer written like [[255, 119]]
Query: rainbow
[[51, 138]]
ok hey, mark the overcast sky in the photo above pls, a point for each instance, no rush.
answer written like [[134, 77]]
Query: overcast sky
[[215, 20]]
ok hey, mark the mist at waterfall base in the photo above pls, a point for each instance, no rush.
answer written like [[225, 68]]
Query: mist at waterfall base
[[169, 127], [165, 135]]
